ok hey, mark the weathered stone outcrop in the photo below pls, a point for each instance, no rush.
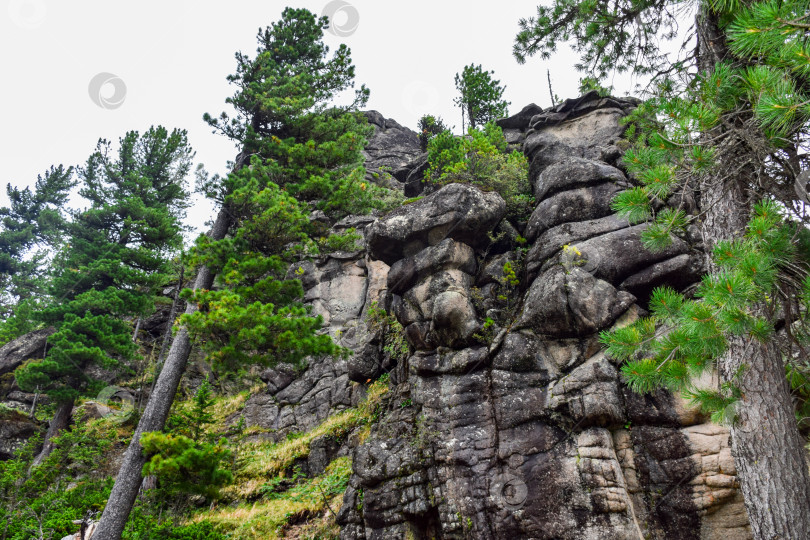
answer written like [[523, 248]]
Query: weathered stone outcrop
[[392, 149], [522, 427], [15, 352], [463, 213], [15, 429]]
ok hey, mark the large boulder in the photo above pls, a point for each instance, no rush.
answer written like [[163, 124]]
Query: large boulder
[[574, 172], [15, 429], [566, 303], [390, 149], [17, 351], [458, 211], [446, 255], [586, 127], [580, 204], [520, 120]]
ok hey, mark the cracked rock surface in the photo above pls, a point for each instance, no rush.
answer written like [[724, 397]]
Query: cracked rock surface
[[523, 428]]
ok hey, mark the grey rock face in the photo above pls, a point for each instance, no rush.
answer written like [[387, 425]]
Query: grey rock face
[[15, 429], [521, 120], [392, 148], [17, 351], [531, 432], [586, 127], [573, 205], [567, 303], [574, 172], [456, 211]]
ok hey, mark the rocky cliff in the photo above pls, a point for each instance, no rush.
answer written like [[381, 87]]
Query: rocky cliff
[[507, 420], [504, 419]]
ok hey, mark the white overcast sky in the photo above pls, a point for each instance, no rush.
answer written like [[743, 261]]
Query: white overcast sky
[[173, 57]]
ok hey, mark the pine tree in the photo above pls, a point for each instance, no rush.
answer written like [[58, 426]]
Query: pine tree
[[31, 228], [115, 259], [480, 96], [295, 143], [726, 123], [186, 459]]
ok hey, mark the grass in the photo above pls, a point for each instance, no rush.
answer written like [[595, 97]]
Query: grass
[[260, 461], [226, 406], [269, 517]]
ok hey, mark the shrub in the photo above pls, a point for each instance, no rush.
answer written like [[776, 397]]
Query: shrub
[[186, 466], [481, 159]]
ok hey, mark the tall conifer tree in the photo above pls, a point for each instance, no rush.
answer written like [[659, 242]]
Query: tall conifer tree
[[298, 147], [114, 261]]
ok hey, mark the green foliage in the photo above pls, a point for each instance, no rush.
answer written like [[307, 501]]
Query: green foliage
[[33, 223], [344, 241], [42, 502], [257, 315], [428, 127], [306, 153], [188, 460], [292, 73], [143, 525], [609, 36], [191, 421], [775, 35], [269, 516], [285, 113], [183, 465], [683, 337], [115, 260], [480, 96], [481, 159], [21, 320], [587, 84]]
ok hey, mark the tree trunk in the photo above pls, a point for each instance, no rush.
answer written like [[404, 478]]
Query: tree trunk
[[768, 451], [765, 442], [128, 481], [59, 422]]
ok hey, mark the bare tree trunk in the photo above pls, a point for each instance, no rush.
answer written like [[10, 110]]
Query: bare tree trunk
[[167, 333], [128, 481], [59, 422], [765, 442]]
